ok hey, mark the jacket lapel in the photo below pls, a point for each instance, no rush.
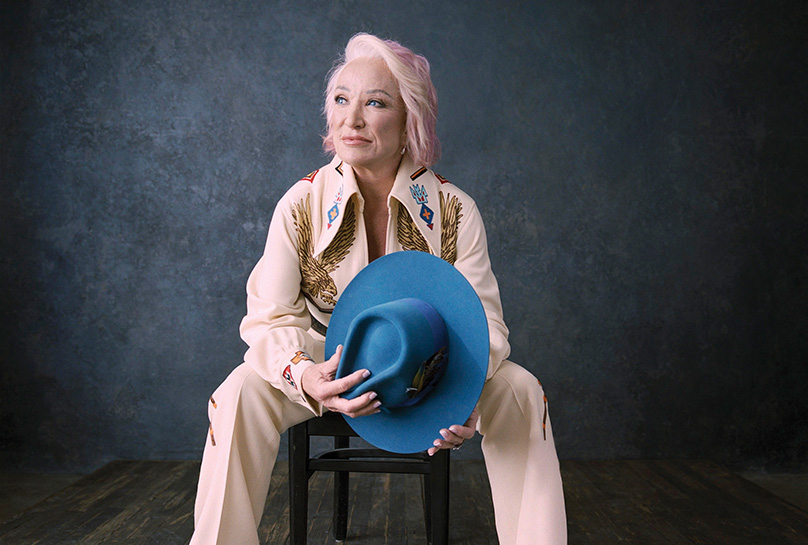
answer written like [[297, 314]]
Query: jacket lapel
[[340, 185], [416, 188]]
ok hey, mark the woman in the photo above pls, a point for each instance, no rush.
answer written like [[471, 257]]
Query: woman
[[377, 196]]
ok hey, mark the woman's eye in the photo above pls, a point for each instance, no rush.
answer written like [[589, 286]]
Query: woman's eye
[[377, 103], [340, 100]]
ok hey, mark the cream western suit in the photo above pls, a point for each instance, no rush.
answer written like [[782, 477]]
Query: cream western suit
[[316, 245]]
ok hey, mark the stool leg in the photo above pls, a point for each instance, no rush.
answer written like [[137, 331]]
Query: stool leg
[[298, 484], [438, 504], [426, 498], [340, 521]]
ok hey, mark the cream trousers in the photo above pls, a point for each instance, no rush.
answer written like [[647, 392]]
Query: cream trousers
[[248, 416]]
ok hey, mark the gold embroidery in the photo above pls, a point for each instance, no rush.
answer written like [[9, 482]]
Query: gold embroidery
[[409, 236], [450, 222], [316, 280]]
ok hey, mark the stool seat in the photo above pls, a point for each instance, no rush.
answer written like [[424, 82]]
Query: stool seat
[[343, 459]]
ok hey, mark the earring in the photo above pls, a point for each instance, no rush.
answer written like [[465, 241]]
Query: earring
[[404, 149]]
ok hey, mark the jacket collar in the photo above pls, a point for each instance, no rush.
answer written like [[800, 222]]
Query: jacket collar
[[340, 185], [416, 188]]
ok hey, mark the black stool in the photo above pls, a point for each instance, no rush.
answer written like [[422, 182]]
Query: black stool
[[343, 459]]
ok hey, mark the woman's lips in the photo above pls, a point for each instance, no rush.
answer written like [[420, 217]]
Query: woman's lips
[[354, 140]]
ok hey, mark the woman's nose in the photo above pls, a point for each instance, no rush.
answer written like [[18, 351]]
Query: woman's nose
[[355, 118]]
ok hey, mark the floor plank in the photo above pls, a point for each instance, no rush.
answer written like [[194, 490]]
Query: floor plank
[[792, 487], [19, 491], [608, 502], [676, 502]]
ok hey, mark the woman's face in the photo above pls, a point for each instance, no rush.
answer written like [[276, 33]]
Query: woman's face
[[369, 117]]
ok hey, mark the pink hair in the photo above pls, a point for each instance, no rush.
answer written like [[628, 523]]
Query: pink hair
[[411, 71]]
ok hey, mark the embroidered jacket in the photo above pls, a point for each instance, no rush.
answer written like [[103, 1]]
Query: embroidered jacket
[[317, 243]]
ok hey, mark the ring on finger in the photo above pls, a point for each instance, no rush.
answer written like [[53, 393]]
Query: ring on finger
[[457, 447]]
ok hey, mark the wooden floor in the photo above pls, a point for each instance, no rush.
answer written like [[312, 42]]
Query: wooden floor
[[642, 502]]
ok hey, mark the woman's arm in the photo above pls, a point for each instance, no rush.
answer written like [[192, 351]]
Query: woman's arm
[[473, 262]]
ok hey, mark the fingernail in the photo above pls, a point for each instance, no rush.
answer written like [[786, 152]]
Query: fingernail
[[372, 395], [444, 434], [454, 429], [436, 443], [377, 404], [366, 374]]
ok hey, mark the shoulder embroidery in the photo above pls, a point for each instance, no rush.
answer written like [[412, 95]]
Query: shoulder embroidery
[[315, 278], [442, 179], [417, 173], [450, 214], [310, 176]]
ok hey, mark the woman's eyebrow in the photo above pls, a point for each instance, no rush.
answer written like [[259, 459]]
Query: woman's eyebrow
[[374, 91], [368, 92]]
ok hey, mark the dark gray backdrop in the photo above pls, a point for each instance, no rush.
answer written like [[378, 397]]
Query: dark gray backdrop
[[640, 167]]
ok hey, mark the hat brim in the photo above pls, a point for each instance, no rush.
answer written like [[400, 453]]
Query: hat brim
[[423, 276]]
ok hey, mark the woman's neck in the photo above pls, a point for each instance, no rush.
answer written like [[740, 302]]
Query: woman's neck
[[375, 186]]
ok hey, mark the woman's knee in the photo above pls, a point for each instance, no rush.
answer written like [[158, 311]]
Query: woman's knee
[[242, 395], [246, 396], [512, 392], [239, 384], [516, 381]]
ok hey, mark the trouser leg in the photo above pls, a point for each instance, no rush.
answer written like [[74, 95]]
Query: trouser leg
[[521, 459], [247, 417]]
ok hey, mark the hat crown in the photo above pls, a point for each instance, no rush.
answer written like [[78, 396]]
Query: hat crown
[[411, 274], [394, 341]]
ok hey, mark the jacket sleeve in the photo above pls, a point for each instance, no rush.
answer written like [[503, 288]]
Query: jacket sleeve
[[473, 262], [277, 321]]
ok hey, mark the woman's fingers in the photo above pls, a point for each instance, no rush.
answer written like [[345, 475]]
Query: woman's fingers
[[449, 440], [359, 406], [334, 359], [318, 381], [472, 421], [454, 436], [463, 432], [342, 385], [330, 366]]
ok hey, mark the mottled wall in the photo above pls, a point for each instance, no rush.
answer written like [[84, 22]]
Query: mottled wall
[[640, 166]]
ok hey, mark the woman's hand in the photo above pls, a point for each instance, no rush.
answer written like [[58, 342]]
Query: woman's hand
[[319, 383], [455, 435]]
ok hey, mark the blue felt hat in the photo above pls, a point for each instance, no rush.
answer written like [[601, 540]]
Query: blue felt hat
[[419, 327]]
